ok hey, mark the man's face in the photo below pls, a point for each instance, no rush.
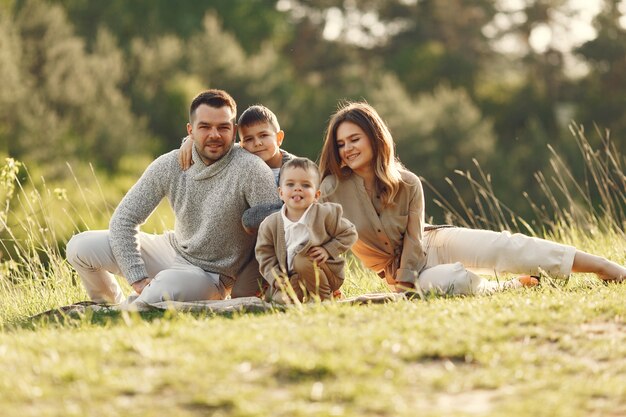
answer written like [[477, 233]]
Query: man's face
[[298, 189], [213, 132]]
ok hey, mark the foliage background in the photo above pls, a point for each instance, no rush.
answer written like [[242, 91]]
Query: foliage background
[[108, 83]]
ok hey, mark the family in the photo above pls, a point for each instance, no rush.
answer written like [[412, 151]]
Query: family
[[235, 235]]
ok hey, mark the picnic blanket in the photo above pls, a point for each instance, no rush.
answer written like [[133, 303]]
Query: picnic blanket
[[243, 304]]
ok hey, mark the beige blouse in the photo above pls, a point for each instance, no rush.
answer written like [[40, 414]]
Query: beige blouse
[[389, 243]]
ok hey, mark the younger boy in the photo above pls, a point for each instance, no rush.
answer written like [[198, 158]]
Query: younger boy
[[299, 247]]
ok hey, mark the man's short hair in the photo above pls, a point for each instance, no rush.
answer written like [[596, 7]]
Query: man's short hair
[[214, 98], [258, 114], [302, 163]]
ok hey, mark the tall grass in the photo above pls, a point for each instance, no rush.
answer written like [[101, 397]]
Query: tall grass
[[594, 204], [36, 222], [37, 219], [34, 229]]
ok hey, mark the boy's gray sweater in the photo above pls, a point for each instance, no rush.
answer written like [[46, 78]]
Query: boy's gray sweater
[[253, 217], [208, 202]]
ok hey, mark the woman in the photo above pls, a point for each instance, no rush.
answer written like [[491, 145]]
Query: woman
[[386, 203]]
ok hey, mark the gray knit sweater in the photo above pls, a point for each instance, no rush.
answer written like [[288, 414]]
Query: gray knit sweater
[[208, 202]]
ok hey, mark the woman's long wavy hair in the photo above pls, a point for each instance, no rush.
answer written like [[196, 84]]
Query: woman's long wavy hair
[[386, 165]]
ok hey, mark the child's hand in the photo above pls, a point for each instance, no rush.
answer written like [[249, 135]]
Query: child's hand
[[184, 154], [250, 230], [318, 254]]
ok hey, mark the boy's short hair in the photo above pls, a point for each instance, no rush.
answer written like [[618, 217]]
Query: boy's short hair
[[302, 163], [258, 114], [212, 98]]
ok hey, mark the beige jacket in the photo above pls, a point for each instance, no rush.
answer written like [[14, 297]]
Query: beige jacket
[[327, 228], [390, 244]]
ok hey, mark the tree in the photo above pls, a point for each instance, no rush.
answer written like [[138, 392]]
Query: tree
[[252, 21], [436, 133], [72, 106], [601, 92], [423, 42], [13, 89]]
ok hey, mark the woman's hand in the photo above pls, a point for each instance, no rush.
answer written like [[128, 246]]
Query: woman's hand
[[184, 154], [402, 286], [318, 254], [409, 290]]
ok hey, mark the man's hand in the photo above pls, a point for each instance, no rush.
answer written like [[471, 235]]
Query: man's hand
[[184, 154], [318, 254], [138, 286]]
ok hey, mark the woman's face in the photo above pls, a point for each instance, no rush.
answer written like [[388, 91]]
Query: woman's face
[[355, 148]]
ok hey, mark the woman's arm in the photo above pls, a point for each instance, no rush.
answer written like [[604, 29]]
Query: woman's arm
[[413, 256]]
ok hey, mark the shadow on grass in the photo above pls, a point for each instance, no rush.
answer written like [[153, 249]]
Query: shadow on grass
[[81, 314], [90, 313], [106, 318], [298, 372]]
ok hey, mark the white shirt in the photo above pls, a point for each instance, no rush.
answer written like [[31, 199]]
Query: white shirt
[[296, 235], [276, 172]]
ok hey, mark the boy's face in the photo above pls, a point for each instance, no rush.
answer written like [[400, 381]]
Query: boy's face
[[262, 140], [298, 188]]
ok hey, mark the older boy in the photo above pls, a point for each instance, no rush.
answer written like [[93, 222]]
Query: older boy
[[299, 247], [260, 134]]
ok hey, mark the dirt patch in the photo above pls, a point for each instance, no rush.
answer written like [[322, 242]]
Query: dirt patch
[[471, 402], [604, 329]]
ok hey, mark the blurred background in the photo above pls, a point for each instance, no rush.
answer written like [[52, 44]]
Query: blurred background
[[102, 87]]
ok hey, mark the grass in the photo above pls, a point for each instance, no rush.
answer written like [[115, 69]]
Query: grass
[[555, 350], [552, 351]]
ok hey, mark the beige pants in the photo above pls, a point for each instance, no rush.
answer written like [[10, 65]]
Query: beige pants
[[173, 278], [454, 255], [307, 280]]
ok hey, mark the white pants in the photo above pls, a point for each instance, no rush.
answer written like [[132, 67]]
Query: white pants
[[454, 255], [173, 278]]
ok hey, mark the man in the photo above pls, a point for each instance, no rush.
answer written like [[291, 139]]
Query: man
[[208, 255]]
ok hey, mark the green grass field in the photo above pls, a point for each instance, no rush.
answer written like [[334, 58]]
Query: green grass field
[[554, 350], [549, 351]]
